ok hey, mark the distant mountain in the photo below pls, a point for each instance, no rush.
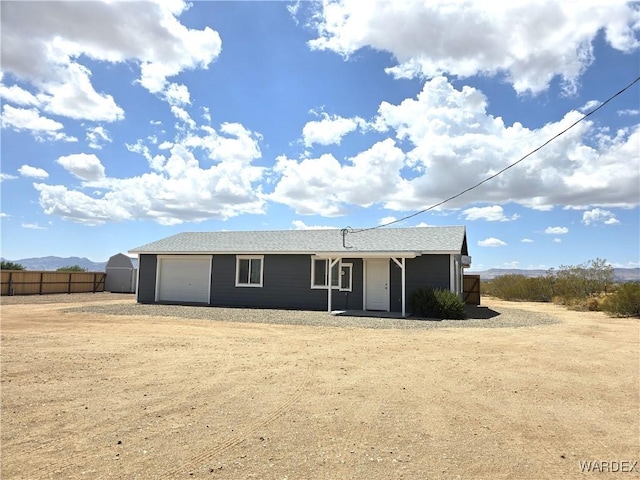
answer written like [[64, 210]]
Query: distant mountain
[[54, 263], [619, 274]]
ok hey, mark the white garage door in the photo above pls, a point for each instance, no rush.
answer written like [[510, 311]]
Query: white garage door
[[184, 278]]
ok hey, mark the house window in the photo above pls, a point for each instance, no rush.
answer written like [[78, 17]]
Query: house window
[[249, 270], [341, 276]]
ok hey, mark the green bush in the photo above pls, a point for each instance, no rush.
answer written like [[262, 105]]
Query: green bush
[[624, 302], [437, 303], [520, 287], [71, 268], [7, 265]]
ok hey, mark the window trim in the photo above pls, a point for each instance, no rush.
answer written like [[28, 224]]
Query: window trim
[[340, 266], [249, 257], [350, 267]]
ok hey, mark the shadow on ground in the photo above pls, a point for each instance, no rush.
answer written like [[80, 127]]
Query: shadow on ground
[[478, 312]]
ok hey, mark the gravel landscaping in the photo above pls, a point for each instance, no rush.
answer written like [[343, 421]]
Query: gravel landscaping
[[477, 317]]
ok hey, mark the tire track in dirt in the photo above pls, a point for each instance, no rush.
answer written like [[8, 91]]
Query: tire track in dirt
[[237, 438]]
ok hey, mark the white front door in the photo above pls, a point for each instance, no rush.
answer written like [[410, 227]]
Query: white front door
[[377, 289]]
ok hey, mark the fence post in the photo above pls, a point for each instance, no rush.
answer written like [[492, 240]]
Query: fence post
[[10, 284], [69, 286], [41, 280]]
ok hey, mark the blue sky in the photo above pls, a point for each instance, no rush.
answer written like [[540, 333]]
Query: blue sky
[[126, 122]]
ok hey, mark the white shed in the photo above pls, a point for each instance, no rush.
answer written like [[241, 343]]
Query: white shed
[[121, 274]]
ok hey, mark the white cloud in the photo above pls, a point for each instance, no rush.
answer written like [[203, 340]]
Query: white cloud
[[590, 105], [177, 94], [48, 52], [34, 172], [42, 128], [73, 96], [530, 42], [451, 131], [6, 176], [33, 226], [557, 240], [300, 225], [97, 136], [329, 130], [178, 189], [629, 111], [512, 264], [232, 143], [325, 186], [556, 230], [494, 213], [491, 242], [84, 166], [598, 215], [526, 240], [17, 95], [206, 114], [386, 220], [182, 115]]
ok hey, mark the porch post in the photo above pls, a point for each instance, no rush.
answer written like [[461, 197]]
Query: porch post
[[329, 286], [401, 264], [404, 290], [331, 263]]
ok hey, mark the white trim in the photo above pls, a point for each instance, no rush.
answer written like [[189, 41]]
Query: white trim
[[341, 254], [331, 264], [249, 257], [387, 303], [372, 255], [350, 266], [137, 271], [402, 264], [328, 278], [452, 273]]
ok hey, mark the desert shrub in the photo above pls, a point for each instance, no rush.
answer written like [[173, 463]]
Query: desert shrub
[[437, 303], [577, 287], [582, 281], [592, 304], [71, 268], [624, 302], [507, 287], [520, 287]]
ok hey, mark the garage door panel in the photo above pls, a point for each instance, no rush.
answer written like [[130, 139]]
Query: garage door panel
[[184, 279]]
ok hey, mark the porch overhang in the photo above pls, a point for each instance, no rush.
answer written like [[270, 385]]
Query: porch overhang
[[347, 254]]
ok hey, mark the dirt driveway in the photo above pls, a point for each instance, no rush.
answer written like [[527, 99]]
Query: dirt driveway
[[89, 395]]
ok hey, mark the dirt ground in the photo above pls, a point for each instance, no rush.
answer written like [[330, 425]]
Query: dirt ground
[[104, 396]]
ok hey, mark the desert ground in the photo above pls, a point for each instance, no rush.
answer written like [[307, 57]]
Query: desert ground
[[95, 395]]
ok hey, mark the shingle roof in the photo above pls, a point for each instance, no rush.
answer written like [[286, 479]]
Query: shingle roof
[[415, 239]]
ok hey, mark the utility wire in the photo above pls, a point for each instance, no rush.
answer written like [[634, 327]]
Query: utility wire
[[346, 230]]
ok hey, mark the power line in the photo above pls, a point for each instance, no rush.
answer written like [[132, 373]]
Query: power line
[[346, 230]]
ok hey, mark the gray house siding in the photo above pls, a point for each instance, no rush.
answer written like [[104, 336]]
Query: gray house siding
[[431, 270], [147, 278], [286, 284]]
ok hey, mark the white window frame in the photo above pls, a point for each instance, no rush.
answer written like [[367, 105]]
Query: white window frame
[[342, 275], [340, 265], [249, 257]]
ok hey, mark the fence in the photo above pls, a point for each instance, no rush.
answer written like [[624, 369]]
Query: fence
[[23, 282], [471, 287]]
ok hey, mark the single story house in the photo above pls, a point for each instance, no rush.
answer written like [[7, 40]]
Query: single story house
[[374, 269]]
